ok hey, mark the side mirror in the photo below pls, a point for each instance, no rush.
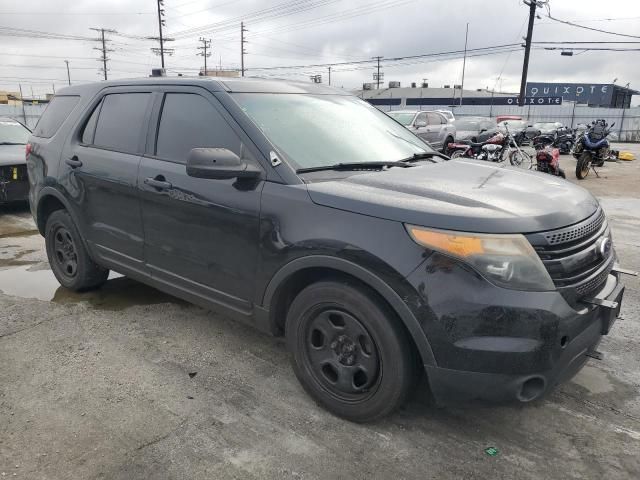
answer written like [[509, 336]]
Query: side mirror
[[420, 123], [219, 164]]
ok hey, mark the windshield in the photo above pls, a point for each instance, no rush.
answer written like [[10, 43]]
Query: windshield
[[322, 130], [13, 132], [402, 117]]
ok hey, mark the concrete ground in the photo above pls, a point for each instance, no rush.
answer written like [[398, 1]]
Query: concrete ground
[[128, 383]]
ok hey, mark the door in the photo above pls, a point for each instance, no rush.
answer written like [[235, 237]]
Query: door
[[201, 235], [434, 129], [102, 160], [420, 126]]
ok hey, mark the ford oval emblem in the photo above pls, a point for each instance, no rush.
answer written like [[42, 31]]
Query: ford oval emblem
[[604, 247]]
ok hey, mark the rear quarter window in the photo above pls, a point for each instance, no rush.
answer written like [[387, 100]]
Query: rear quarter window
[[59, 109]]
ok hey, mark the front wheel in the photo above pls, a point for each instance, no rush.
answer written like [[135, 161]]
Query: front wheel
[[457, 154], [583, 165], [350, 353], [517, 158]]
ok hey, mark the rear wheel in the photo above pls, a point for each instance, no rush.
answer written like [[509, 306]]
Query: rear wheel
[[349, 352], [68, 257], [583, 165]]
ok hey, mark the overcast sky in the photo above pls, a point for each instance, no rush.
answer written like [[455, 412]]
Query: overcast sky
[[303, 32]]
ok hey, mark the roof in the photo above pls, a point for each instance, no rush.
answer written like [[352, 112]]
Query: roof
[[221, 84]]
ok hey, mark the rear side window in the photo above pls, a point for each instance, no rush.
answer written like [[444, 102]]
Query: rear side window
[[90, 127], [121, 122], [59, 109], [190, 121]]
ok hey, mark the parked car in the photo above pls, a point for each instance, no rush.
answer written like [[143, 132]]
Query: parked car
[[475, 129], [14, 185], [370, 252], [502, 118], [547, 128], [432, 127], [521, 131], [448, 114]]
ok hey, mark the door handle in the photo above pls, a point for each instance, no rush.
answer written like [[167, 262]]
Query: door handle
[[73, 162], [158, 182]]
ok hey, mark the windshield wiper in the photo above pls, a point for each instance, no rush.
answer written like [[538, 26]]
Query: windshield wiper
[[11, 143], [353, 166], [423, 156]]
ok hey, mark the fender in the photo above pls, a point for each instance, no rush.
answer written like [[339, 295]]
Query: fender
[[367, 277], [49, 191]]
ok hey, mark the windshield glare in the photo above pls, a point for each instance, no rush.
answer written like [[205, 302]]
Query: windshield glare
[[403, 118], [323, 130], [12, 132]]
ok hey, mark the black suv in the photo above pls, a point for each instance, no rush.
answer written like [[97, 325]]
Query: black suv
[[306, 212]]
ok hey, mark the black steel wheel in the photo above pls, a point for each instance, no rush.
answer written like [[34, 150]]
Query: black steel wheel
[[349, 351], [68, 257], [583, 165]]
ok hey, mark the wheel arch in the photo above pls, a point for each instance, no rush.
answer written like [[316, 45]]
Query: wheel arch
[[301, 272], [50, 200]]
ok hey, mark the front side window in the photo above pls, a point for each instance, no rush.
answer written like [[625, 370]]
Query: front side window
[[322, 130], [122, 121], [434, 118], [12, 132], [404, 118], [190, 121], [58, 110]]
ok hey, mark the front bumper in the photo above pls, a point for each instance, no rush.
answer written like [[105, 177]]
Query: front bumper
[[503, 345], [14, 184]]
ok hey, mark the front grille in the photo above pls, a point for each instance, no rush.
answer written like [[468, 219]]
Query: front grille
[[8, 174], [573, 256]]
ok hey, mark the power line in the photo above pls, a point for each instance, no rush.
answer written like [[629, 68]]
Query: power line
[[567, 22]]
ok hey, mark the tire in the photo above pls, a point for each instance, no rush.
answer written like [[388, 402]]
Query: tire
[[517, 158], [349, 352], [457, 154], [445, 146], [582, 167], [68, 257], [561, 173]]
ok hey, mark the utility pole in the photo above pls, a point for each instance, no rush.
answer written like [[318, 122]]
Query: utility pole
[[624, 103], [378, 76], [68, 74], [329, 75], [533, 4], [243, 52], [161, 23], [103, 58], [206, 44], [24, 112], [464, 63]]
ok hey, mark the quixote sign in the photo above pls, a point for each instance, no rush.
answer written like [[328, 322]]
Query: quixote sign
[[591, 93], [531, 101]]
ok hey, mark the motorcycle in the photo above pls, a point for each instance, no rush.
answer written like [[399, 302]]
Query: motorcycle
[[562, 139], [592, 148], [494, 149], [547, 156]]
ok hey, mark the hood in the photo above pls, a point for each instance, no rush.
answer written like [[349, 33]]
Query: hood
[[464, 195], [12, 155]]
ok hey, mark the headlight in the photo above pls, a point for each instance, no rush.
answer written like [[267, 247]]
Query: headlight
[[506, 260]]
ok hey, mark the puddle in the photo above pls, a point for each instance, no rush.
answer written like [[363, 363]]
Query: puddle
[[594, 380], [118, 293]]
